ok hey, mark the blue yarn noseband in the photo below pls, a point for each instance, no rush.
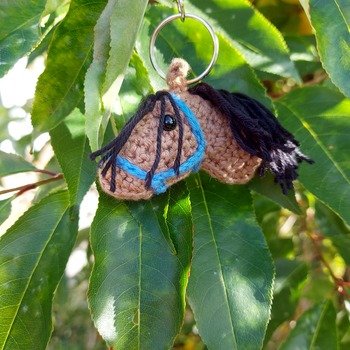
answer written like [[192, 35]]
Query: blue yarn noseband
[[192, 163]]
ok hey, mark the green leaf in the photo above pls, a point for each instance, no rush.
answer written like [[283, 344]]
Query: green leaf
[[345, 340], [230, 286], [124, 29], [4, 120], [136, 86], [333, 40], [18, 14], [304, 54], [33, 255], [268, 215], [290, 277], [267, 187], [318, 286], [115, 35], [96, 115], [5, 209], [13, 164], [232, 73], [141, 79], [289, 274], [343, 328], [344, 6], [333, 227], [316, 329], [137, 286], [192, 42], [60, 87], [319, 119], [19, 30], [72, 151], [258, 40], [43, 191], [43, 46]]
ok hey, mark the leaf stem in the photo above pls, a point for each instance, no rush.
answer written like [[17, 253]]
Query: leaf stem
[[24, 188]]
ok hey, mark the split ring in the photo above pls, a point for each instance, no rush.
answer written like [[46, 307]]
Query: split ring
[[181, 9], [209, 29]]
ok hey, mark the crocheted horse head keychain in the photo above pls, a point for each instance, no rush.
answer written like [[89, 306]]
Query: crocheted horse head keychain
[[183, 129]]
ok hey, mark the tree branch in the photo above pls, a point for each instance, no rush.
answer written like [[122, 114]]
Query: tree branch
[[24, 188], [47, 172]]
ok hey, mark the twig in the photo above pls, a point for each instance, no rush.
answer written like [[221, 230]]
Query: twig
[[339, 282], [24, 188], [47, 172]]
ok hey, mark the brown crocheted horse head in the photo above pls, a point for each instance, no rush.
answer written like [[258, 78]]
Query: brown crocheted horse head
[[176, 132]]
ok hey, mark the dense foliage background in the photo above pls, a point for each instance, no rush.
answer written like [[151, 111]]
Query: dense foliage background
[[264, 270]]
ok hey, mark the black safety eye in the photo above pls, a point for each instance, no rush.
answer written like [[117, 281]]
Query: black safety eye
[[169, 122]]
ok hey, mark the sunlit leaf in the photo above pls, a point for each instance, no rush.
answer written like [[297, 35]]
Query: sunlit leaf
[[5, 209], [124, 29], [96, 115], [231, 277], [115, 35], [60, 87], [137, 287]]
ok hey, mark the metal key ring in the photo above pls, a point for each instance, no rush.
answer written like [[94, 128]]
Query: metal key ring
[[170, 19]]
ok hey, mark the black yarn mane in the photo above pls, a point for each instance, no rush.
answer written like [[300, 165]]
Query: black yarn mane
[[110, 151], [258, 132]]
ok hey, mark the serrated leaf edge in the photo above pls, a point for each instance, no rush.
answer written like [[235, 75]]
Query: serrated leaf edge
[[36, 264]]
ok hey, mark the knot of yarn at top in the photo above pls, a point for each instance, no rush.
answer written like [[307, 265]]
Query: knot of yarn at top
[[177, 73]]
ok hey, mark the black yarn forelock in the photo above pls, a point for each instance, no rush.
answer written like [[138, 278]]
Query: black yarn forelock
[[258, 132], [112, 149]]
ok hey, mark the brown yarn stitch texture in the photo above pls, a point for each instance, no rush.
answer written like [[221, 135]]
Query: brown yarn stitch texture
[[140, 149], [224, 159]]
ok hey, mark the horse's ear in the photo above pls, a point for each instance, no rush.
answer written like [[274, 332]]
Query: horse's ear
[[258, 132]]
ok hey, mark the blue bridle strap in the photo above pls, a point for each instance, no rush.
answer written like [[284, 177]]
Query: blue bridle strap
[[192, 163]]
